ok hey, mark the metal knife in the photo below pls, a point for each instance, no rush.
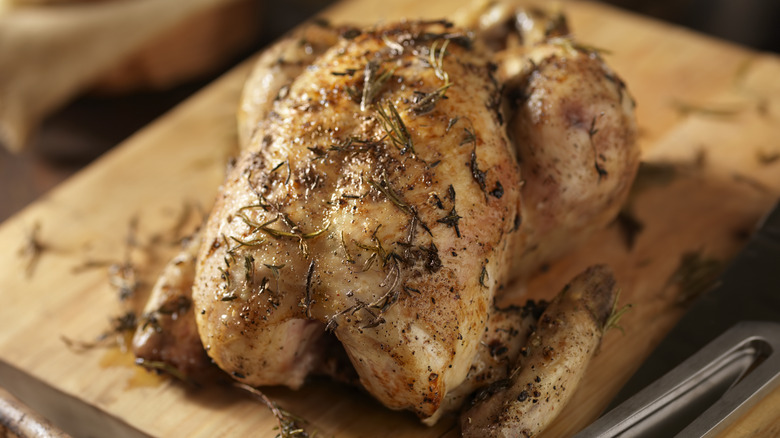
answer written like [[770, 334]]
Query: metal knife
[[736, 330]]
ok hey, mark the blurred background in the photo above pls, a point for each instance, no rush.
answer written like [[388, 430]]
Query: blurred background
[[104, 114]]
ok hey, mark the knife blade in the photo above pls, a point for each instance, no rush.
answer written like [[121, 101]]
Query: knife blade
[[738, 357]]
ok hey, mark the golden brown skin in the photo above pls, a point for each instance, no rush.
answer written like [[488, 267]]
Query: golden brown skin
[[557, 353], [167, 332], [335, 216], [394, 233], [274, 71]]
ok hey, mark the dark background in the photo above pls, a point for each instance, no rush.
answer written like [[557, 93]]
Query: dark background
[[88, 127]]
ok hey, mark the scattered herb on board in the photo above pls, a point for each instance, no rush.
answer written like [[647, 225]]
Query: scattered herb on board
[[751, 182], [629, 226], [766, 158], [117, 335], [164, 367], [685, 109], [613, 320], [694, 276], [289, 425], [32, 249]]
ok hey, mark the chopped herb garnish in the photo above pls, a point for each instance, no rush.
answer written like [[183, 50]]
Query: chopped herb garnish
[[468, 137], [383, 186], [591, 133], [451, 123], [483, 275], [613, 320], [426, 102], [307, 299], [32, 249], [289, 426], [395, 128], [346, 250], [476, 174], [373, 81], [451, 220], [498, 190]]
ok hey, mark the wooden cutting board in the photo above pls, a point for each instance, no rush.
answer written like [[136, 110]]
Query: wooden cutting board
[[709, 114]]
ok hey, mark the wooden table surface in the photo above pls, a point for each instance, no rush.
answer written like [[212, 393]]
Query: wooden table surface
[[708, 113]]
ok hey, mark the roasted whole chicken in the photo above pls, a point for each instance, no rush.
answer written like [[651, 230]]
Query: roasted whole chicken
[[392, 180]]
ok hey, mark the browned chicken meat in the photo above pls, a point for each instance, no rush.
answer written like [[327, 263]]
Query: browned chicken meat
[[391, 180]]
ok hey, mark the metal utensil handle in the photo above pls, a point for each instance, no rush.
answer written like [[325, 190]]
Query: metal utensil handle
[[748, 355]]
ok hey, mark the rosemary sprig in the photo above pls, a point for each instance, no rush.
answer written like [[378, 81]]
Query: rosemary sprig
[[33, 249], [437, 61], [307, 299], [468, 137], [373, 81], [395, 128], [346, 250], [427, 101], [275, 272], [289, 426], [383, 186], [451, 123], [613, 319], [294, 232]]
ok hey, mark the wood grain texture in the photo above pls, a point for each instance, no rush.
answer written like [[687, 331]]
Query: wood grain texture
[[726, 176]]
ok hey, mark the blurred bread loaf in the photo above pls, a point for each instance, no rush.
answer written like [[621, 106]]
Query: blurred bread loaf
[[54, 50]]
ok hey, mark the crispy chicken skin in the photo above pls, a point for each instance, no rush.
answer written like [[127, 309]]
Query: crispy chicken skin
[[391, 180], [371, 224]]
